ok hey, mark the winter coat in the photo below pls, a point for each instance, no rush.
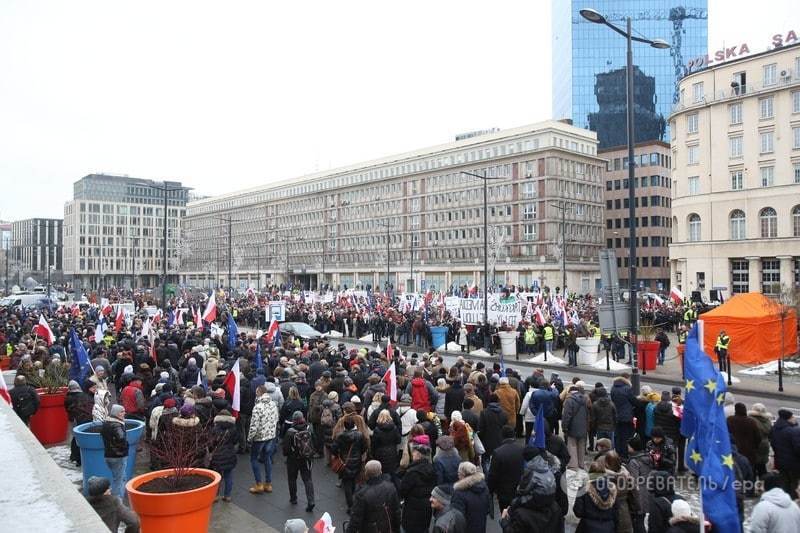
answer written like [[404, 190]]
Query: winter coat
[[490, 427], [225, 440], [603, 414], [24, 401], [288, 409], [764, 427], [662, 455], [664, 416], [639, 466], [188, 376], [471, 497], [453, 399], [687, 525], [505, 471], [623, 398], [596, 508], [315, 406], [509, 401], [423, 394], [112, 511], [775, 513], [264, 420], [544, 397], [79, 407], [659, 501], [575, 417], [102, 398], [385, 441], [446, 465], [115, 442], [376, 508], [203, 409], [449, 520], [535, 519], [415, 491], [132, 398], [627, 499], [746, 433], [349, 447], [785, 440]]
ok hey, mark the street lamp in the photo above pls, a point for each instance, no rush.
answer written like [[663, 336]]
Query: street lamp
[[166, 189], [387, 226], [594, 16], [563, 208]]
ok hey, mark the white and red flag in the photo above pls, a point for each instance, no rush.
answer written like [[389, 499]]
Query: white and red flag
[[210, 314], [676, 295], [120, 320], [539, 316], [232, 385], [324, 524], [4, 391], [390, 377], [42, 329], [389, 351]]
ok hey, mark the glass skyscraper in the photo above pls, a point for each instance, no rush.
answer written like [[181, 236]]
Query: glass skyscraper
[[589, 63]]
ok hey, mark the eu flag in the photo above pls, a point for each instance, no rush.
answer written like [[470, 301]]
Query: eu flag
[[259, 358], [79, 369], [708, 449], [539, 439], [233, 332]]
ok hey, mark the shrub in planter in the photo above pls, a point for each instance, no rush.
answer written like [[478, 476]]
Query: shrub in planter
[[50, 422]]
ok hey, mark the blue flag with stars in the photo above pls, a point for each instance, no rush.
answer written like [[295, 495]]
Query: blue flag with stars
[[259, 357], [708, 449], [79, 370], [233, 332]]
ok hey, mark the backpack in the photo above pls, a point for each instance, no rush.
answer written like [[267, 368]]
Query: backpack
[[326, 419], [302, 445], [24, 405]]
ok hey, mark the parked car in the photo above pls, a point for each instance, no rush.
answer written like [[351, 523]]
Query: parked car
[[300, 329]]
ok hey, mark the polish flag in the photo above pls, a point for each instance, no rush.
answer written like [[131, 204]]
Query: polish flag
[[4, 391], [390, 377], [231, 385], [42, 329], [210, 314], [273, 328], [145, 329], [676, 295], [107, 309], [539, 316], [324, 524], [119, 320], [389, 351], [76, 310], [179, 317], [157, 317]]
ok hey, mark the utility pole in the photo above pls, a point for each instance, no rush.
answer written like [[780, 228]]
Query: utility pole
[[562, 206], [412, 288]]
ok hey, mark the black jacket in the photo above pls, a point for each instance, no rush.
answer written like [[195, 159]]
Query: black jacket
[[490, 427], [349, 446], [534, 519], [376, 508], [785, 440], [597, 508], [115, 443], [79, 407], [471, 497], [453, 399], [24, 401], [384, 441], [664, 417], [623, 398], [112, 511], [506, 469], [224, 441], [415, 490]]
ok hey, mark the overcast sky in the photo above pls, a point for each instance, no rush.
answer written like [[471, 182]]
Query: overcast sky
[[226, 95]]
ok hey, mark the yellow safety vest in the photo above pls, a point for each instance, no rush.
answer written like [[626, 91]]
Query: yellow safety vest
[[722, 342], [530, 336], [548, 333], [682, 337], [689, 315]]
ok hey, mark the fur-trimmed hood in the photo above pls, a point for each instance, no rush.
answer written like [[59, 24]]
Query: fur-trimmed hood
[[602, 498], [469, 482], [224, 419], [624, 381], [688, 519], [186, 422]]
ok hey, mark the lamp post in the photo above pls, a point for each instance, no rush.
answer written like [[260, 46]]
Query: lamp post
[[412, 288], [563, 208], [166, 189], [597, 18], [387, 226]]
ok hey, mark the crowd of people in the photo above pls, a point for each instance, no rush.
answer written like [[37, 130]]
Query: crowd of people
[[455, 446]]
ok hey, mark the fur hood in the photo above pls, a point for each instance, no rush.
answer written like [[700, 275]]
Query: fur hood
[[610, 491], [622, 380], [688, 519], [186, 422], [222, 419], [469, 481]]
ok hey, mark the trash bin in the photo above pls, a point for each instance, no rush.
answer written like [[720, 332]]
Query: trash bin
[[588, 350], [93, 462], [647, 354], [439, 337], [508, 343]]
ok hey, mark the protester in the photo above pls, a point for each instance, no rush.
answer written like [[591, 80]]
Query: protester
[[417, 483], [785, 440], [624, 402], [24, 399], [225, 439], [683, 520], [471, 497], [764, 421], [775, 512], [376, 506], [596, 507], [745, 432], [446, 518], [78, 405], [575, 423], [262, 439], [109, 507], [350, 447], [298, 448], [115, 446], [504, 471], [385, 442]]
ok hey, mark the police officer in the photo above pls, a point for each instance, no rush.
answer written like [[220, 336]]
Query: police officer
[[548, 334], [690, 316], [721, 349]]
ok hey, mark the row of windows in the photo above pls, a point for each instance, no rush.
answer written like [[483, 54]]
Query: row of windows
[[641, 242], [766, 178], [767, 224], [653, 159], [644, 261], [770, 275], [643, 222], [652, 201], [646, 181]]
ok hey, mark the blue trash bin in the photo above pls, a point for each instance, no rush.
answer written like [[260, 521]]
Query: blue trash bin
[[93, 460], [438, 336]]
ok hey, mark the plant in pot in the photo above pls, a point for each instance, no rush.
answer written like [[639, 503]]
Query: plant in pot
[[50, 422], [178, 498], [646, 347]]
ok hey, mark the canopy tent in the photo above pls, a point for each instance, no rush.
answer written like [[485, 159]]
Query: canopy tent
[[753, 322]]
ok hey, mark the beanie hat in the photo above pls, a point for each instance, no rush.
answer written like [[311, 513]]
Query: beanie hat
[[455, 416], [117, 411], [270, 387], [164, 376], [421, 440], [73, 386], [295, 525], [169, 403], [297, 416], [785, 414], [97, 486], [681, 509], [443, 493], [187, 411]]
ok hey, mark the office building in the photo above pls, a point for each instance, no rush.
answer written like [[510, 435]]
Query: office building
[[653, 220], [332, 227], [589, 63], [113, 231], [36, 245], [736, 176]]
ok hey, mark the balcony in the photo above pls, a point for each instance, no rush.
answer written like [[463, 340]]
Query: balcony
[[733, 93]]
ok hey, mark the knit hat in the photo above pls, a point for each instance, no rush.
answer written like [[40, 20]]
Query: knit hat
[[219, 393], [164, 376], [73, 386], [681, 510], [405, 398], [445, 442], [355, 399], [785, 414], [117, 411], [422, 440], [128, 369], [297, 416], [333, 396], [295, 525], [170, 403], [97, 486], [455, 416], [270, 387], [443, 493], [187, 411]]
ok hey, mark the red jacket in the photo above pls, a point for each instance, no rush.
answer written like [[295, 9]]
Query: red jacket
[[132, 398], [420, 399]]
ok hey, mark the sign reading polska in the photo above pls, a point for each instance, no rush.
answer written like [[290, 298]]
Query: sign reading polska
[[732, 52]]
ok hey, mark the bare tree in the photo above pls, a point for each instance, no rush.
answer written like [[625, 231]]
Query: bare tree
[[497, 248]]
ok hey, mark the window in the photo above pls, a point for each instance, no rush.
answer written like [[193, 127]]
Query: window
[[529, 232], [767, 142], [529, 212], [771, 276], [737, 180], [737, 225], [528, 190], [770, 74], [769, 223], [693, 155], [694, 185], [697, 92], [795, 101], [694, 227], [766, 107], [740, 276], [796, 221], [691, 123], [767, 176], [735, 113], [796, 172], [735, 145], [796, 137]]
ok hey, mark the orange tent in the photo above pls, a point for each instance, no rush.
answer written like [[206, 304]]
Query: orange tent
[[753, 322]]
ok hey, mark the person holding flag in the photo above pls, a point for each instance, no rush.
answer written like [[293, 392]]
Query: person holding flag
[[233, 333], [708, 449]]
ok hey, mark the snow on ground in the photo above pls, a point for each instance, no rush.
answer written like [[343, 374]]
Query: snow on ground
[[60, 455], [334, 334], [734, 379], [771, 368], [551, 360], [452, 347], [613, 365], [479, 353], [366, 338]]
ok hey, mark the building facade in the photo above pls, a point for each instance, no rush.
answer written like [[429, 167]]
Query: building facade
[[36, 245], [653, 212], [334, 227], [736, 176], [114, 231], [589, 63]]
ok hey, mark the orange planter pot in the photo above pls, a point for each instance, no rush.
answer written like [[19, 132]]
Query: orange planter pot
[[173, 512], [50, 422]]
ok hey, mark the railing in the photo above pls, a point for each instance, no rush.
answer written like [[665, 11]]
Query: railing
[[738, 91]]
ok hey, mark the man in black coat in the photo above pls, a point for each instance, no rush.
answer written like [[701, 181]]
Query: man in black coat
[[298, 460], [625, 401], [505, 470], [376, 505], [785, 441], [115, 445], [453, 398], [490, 425], [24, 399]]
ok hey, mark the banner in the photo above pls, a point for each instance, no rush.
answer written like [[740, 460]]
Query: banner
[[452, 304], [276, 311], [508, 310]]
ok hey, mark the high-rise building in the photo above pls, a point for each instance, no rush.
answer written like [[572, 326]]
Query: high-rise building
[[36, 244], [334, 227], [113, 231], [736, 176], [589, 63], [653, 220]]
